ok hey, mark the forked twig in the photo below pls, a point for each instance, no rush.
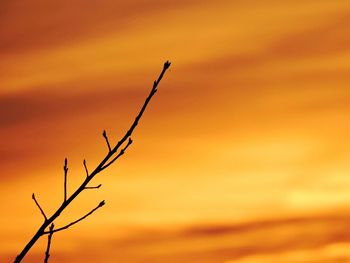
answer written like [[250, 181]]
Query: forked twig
[[118, 155], [112, 155]]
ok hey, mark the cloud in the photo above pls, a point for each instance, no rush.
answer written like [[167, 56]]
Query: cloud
[[217, 243]]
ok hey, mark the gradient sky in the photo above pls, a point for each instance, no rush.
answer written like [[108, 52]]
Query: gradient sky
[[242, 157]]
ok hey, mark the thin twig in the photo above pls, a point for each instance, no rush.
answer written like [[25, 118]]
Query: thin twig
[[65, 169], [86, 169], [119, 154], [139, 115], [93, 187], [47, 253], [100, 167], [107, 141], [102, 203], [37, 204]]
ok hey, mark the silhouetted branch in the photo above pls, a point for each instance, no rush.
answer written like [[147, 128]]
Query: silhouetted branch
[[93, 187], [86, 169], [107, 141], [102, 203], [37, 204], [65, 169], [110, 158], [47, 253]]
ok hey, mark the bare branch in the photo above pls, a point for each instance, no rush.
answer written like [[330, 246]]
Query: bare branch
[[37, 204], [86, 169], [47, 253], [93, 187], [102, 203], [119, 154], [107, 141], [65, 169], [110, 158]]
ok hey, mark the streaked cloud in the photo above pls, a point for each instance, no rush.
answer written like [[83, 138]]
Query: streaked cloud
[[242, 157]]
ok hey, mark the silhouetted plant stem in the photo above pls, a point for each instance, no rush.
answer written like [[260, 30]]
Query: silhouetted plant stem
[[65, 169], [102, 203], [49, 237], [112, 155], [37, 204]]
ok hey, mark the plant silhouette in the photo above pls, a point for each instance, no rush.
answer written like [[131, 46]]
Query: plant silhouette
[[114, 153]]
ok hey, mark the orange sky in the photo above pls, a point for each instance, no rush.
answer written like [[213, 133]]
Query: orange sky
[[242, 157]]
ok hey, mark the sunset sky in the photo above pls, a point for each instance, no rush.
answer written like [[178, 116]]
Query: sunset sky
[[242, 157]]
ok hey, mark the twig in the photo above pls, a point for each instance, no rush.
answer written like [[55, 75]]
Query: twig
[[93, 187], [107, 141], [86, 169], [102, 203], [65, 169], [120, 154], [37, 204], [107, 160], [47, 253]]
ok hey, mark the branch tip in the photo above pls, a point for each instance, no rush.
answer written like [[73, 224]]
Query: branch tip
[[107, 141], [37, 204], [65, 167], [93, 187], [86, 169], [167, 64]]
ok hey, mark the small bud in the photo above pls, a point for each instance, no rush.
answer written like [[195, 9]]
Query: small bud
[[167, 64], [65, 167]]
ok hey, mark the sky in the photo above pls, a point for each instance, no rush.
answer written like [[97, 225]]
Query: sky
[[242, 157]]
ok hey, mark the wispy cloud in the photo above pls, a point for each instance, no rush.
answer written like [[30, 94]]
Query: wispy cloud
[[251, 122]]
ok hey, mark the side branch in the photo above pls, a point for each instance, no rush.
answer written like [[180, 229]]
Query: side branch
[[102, 203], [86, 169], [107, 141], [47, 252], [37, 204], [118, 155], [93, 187], [65, 169]]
